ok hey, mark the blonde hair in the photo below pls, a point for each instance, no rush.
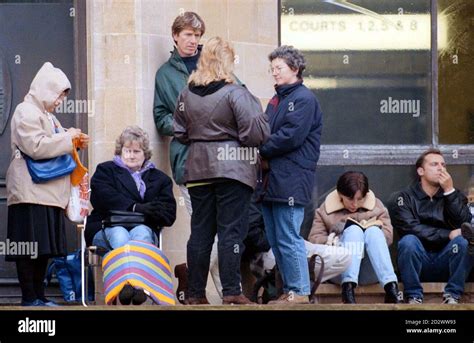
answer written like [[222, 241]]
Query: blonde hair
[[215, 63]]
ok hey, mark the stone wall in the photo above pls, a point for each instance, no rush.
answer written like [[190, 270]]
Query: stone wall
[[127, 42]]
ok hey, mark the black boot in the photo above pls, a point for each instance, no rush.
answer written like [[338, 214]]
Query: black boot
[[348, 296], [126, 294], [139, 297], [392, 294]]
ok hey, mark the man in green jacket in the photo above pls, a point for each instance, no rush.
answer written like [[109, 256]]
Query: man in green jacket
[[171, 78]]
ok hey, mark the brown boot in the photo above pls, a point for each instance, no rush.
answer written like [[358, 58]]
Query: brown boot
[[196, 301], [181, 273], [236, 300]]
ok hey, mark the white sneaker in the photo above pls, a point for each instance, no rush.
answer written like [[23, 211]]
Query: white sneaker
[[449, 299], [414, 300]]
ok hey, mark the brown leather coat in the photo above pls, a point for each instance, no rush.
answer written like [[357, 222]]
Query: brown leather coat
[[224, 129]]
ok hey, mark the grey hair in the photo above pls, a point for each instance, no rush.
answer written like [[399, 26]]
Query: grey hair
[[134, 134], [292, 57]]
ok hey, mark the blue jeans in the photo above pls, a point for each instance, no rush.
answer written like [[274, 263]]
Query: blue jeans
[[282, 226], [377, 265], [119, 236], [451, 264]]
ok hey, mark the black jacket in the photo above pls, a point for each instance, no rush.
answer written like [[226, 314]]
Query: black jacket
[[431, 220], [113, 188]]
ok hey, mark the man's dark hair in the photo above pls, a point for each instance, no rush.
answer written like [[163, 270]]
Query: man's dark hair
[[421, 159]]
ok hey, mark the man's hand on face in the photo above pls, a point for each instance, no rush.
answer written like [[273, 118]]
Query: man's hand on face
[[446, 181]]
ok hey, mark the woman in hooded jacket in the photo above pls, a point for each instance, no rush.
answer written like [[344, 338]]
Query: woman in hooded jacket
[[35, 210]]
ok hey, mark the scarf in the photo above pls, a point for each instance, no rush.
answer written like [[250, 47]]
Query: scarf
[[137, 176]]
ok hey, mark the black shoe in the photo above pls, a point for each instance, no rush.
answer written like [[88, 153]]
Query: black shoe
[[139, 297], [392, 294], [126, 294], [34, 303], [348, 296]]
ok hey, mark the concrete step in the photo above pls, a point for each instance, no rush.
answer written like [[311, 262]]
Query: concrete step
[[372, 294]]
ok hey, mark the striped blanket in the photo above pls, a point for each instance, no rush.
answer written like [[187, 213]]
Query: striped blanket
[[142, 265]]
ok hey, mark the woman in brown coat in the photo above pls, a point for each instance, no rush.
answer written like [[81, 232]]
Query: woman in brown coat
[[354, 215], [35, 210], [223, 124]]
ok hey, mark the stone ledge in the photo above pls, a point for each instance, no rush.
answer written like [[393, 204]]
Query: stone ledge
[[296, 307], [374, 294], [428, 287]]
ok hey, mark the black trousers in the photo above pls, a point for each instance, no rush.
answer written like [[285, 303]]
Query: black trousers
[[219, 208]]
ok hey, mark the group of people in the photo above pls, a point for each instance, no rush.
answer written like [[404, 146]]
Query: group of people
[[289, 150], [217, 127]]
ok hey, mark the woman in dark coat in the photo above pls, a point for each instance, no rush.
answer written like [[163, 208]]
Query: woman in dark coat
[[292, 152], [130, 182]]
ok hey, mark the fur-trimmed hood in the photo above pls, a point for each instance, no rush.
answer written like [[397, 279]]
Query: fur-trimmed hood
[[332, 214]]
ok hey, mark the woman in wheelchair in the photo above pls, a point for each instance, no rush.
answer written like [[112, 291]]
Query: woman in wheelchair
[[130, 182]]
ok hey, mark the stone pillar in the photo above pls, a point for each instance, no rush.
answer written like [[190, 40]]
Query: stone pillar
[[127, 42]]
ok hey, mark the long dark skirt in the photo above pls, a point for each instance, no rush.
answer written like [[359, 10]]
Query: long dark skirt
[[35, 230]]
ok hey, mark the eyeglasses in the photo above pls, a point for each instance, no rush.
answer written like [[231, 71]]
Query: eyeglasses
[[277, 69]]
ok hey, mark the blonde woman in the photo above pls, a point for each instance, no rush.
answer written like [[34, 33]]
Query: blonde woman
[[223, 124]]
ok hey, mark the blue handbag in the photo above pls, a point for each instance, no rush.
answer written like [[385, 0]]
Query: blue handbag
[[51, 168]]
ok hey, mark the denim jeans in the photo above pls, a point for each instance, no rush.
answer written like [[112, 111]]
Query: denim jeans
[[219, 208], [119, 236], [451, 264], [376, 265], [282, 226]]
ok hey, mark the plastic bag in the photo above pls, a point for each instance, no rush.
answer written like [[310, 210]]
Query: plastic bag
[[78, 206], [68, 272]]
